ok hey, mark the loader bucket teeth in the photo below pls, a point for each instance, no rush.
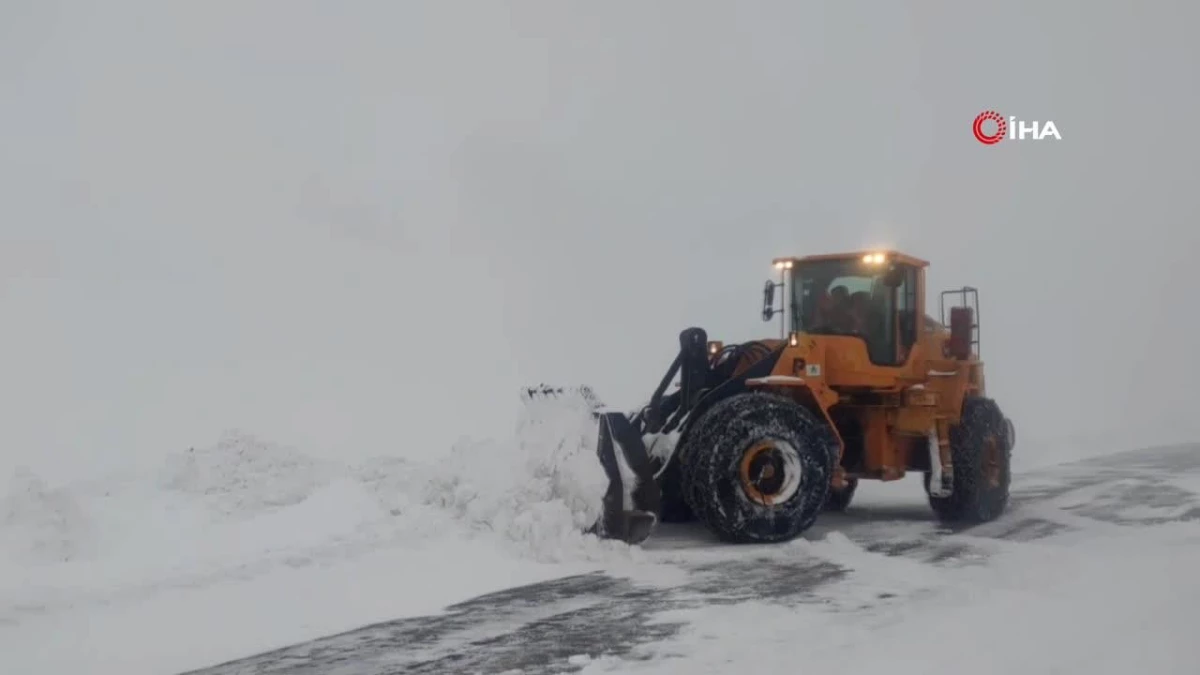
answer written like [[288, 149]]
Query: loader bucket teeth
[[543, 392], [639, 525]]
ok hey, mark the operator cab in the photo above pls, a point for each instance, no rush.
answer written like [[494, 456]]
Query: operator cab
[[869, 295]]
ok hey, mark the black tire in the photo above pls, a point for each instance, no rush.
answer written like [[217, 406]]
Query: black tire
[[777, 433], [839, 500], [981, 472]]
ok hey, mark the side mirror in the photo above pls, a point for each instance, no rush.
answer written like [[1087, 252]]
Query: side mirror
[[768, 300]]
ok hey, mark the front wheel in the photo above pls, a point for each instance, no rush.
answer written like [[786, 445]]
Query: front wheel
[[757, 468]]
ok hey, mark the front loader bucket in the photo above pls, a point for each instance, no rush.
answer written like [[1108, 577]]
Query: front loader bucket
[[627, 516]]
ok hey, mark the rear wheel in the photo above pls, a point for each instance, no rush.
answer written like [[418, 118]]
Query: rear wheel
[[981, 450], [756, 468]]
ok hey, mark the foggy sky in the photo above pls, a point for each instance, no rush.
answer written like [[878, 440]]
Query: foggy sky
[[360, 227]]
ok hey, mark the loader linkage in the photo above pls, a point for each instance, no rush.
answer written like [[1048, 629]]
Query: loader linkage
[[664, 414]]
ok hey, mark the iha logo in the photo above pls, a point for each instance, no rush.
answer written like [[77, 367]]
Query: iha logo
[[990, 128]]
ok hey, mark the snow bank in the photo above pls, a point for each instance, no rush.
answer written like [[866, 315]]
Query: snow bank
[[40, 525], [540, 491], [254, 534], [242, 475], [243, 507]]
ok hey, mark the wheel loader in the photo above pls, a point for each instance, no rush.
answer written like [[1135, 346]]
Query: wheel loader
[[757, 439]]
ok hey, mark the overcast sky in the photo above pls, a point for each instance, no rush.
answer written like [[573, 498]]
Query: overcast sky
[[360, 227]]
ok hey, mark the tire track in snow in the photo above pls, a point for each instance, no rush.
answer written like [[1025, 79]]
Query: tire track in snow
[[545, 628]]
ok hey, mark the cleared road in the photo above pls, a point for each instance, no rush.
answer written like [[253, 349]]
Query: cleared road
[[537, 629]]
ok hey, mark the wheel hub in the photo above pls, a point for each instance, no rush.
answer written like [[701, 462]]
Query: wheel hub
[[769, 473]]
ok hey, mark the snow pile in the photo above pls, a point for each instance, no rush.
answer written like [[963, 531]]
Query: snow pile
[[244, 507], [121, 540], [540, 491], [537, 492], [272, 532], [397, 486], [242, 475], [39, 525]]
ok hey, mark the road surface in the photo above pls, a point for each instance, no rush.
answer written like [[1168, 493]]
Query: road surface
[[537, 629]]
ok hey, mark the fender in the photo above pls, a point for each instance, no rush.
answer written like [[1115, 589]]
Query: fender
[[799, 389]]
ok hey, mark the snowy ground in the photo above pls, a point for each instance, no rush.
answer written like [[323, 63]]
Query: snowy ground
[[245, 547]]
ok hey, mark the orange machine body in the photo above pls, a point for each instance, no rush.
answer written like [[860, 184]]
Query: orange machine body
[[886, 416]]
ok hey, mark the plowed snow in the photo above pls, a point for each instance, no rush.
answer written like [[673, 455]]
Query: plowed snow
[[243, 506]]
